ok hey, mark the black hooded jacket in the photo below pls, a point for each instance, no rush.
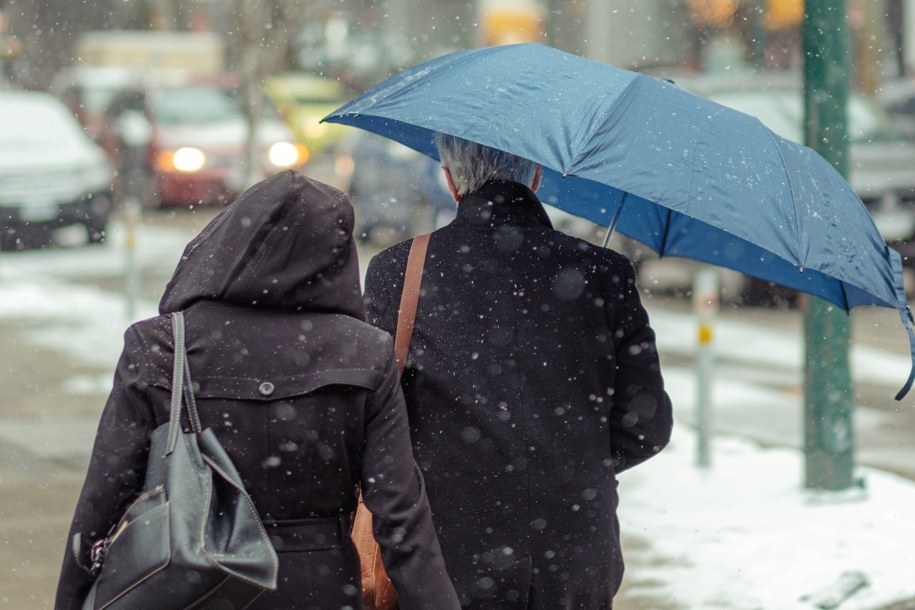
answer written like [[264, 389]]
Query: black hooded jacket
[[301, 392]]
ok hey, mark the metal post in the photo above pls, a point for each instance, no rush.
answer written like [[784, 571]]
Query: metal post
[[131, 269], [135, 132], [829, 400], [705, 305]]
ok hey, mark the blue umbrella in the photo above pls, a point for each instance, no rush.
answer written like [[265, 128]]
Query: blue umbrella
[[679, 173]]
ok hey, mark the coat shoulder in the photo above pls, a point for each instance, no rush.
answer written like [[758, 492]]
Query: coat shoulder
[[580, 248], [392, 257], [152, 327]]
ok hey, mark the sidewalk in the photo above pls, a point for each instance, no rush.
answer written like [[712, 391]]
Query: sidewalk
[[743, 536]]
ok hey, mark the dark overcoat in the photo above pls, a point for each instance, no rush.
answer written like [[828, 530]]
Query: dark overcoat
[[302, 393], [532, 381]]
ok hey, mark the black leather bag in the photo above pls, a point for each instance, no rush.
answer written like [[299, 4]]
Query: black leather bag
[[193, 539]]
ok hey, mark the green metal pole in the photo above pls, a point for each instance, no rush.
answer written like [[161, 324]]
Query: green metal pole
[[829, 400]]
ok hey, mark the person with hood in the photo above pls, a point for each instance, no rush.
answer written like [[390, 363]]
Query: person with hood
[[301, 392], [532, 381]]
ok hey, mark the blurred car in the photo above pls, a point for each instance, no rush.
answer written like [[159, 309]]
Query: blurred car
[[51, 173], [87, 91], [194, 148], [395, 190], [303, 100], [898, 100]]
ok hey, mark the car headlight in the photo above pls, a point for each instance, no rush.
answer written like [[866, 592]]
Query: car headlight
[[287, 154], [186, 160]]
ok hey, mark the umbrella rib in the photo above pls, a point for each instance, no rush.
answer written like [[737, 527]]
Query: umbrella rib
[[797, 220], [844, 295], [663, 245]]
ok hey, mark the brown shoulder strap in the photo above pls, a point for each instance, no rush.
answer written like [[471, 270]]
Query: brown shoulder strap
[[406, 315]]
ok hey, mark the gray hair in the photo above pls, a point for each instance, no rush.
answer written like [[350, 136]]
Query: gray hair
[[472, 164]]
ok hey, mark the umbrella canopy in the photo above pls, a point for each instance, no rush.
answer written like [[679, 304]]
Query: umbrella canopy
[[683, 175]]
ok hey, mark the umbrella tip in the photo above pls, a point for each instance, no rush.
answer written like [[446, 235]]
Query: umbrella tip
[[906, 316]]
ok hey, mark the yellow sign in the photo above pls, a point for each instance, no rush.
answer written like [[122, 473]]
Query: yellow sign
[[705, 334], [783, 14], [500, 26]]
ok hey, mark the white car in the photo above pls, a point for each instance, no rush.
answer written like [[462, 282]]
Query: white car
[[51, 173]]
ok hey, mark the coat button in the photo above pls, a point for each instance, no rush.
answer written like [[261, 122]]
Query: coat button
[[266, 388]]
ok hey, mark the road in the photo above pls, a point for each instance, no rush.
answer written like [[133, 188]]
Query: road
[[62, 313]]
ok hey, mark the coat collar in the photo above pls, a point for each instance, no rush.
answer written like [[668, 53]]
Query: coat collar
[[502, 202]]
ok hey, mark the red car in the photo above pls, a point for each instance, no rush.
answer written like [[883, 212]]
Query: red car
[[184, 143]]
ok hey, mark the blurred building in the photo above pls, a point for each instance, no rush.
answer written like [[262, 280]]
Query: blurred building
[[626, 33], [363, 41]]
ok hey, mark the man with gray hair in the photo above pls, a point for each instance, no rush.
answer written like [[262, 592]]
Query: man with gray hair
[[532, 381]]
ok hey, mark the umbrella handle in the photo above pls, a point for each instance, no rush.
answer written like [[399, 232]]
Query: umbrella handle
[[616, 216]]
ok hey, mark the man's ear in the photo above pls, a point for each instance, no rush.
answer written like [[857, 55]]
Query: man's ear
[[538, 176], [451, 187]]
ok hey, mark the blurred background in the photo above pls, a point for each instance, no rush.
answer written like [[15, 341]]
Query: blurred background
[[126, 125], [190, 101]]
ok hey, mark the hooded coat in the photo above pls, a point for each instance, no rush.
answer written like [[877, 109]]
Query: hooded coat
[[532, 381], [301, 392]]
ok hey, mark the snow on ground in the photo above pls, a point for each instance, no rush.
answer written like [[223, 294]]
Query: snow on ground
[[745, 535], [742, 535], [78, 319]]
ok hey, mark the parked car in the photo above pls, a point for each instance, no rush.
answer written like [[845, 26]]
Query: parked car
[[195, 143], [51, 173], [303, 100]]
